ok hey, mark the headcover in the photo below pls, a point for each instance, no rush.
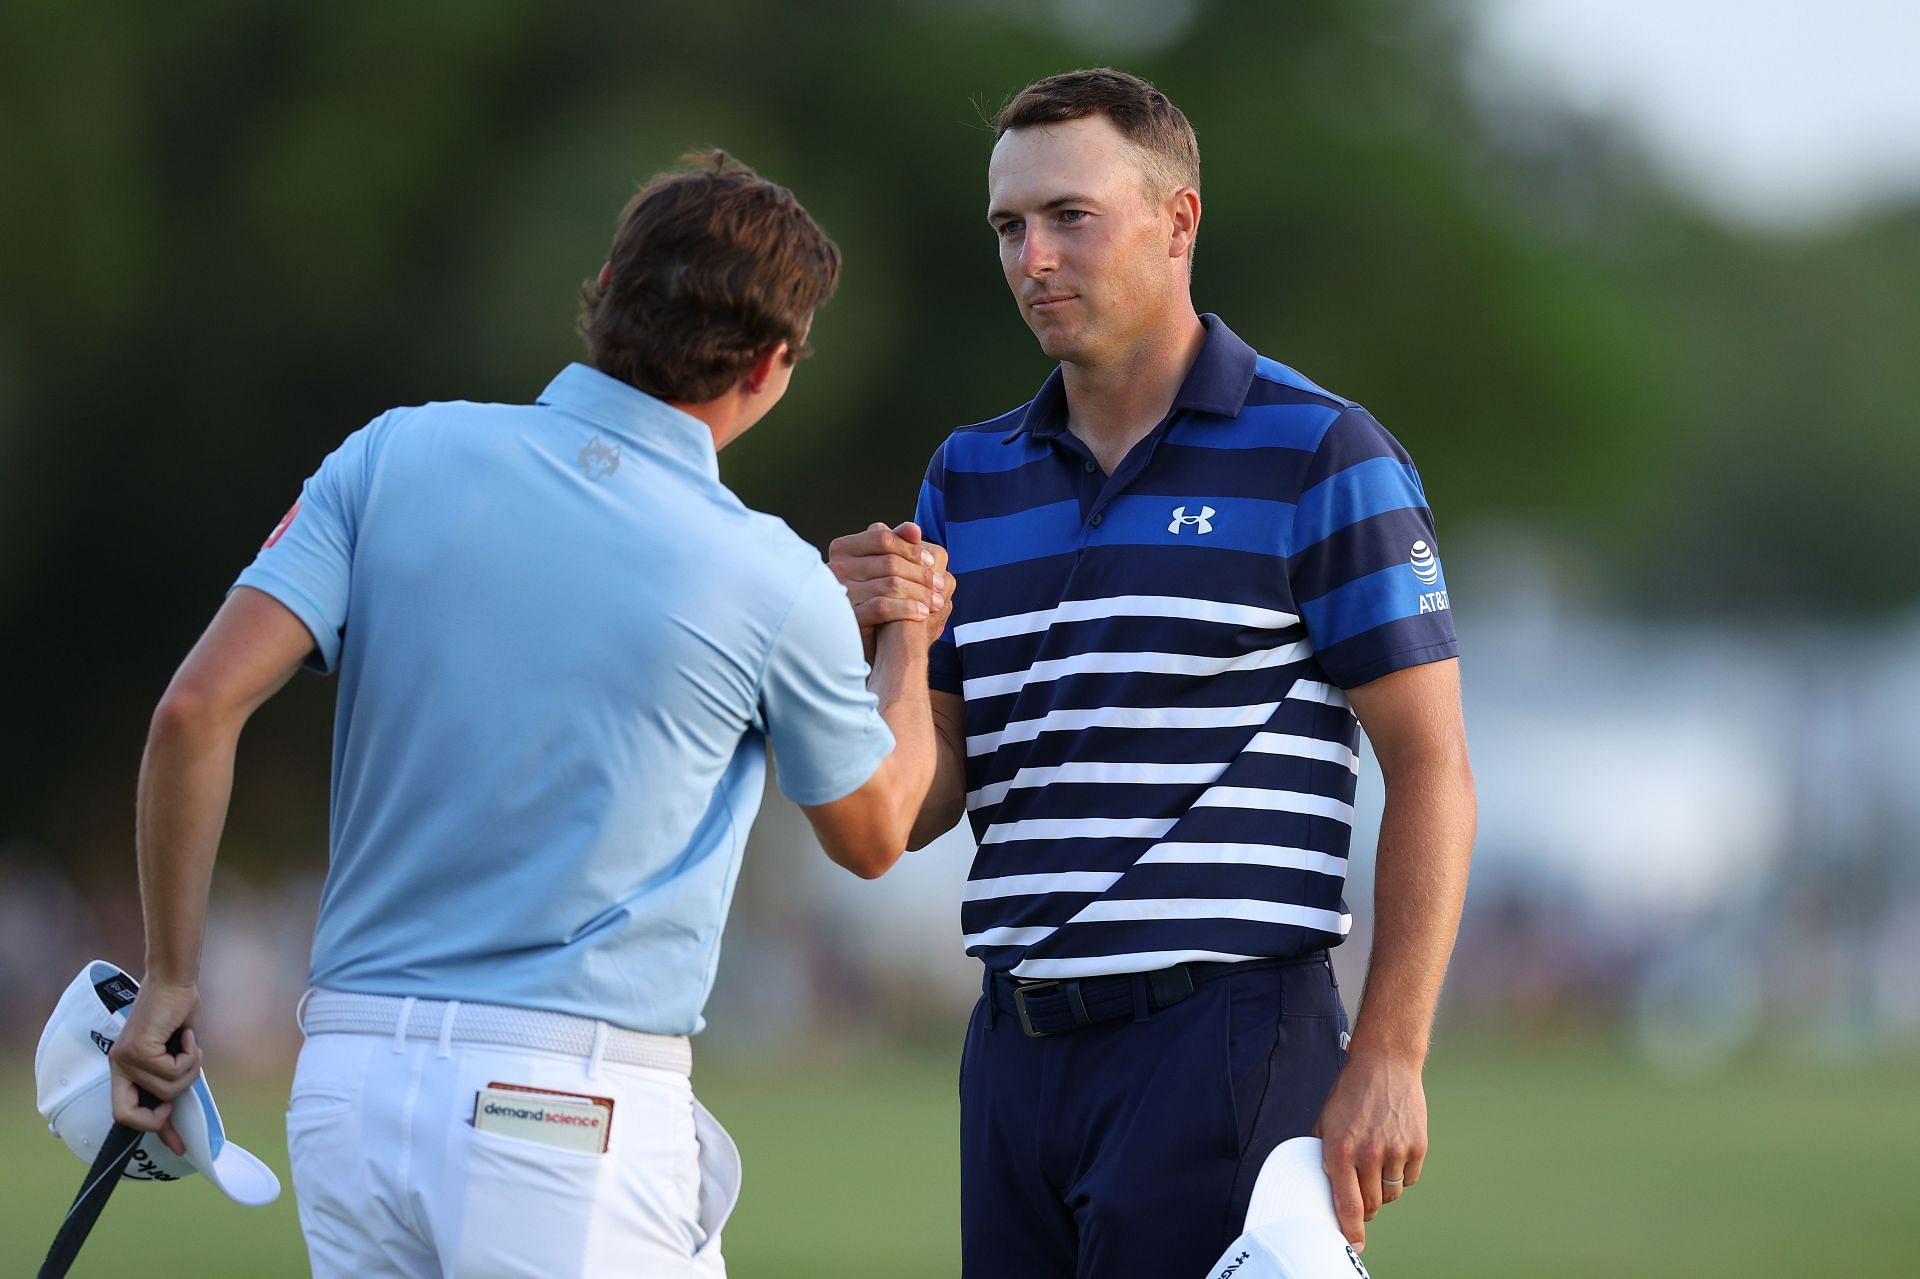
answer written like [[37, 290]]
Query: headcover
[[74, 1083], [1292, 1231]]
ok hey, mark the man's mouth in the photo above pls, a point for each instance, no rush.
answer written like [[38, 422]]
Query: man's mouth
[[1047, 304]]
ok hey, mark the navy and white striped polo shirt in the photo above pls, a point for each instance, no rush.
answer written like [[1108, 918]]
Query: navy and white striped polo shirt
[[1160, 758]]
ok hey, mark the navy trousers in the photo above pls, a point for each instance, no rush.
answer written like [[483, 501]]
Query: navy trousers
[[1129, 1148]]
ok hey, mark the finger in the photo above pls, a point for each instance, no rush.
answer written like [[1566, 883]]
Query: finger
[[899, 588], [880, 612], [163, 1086], [1416, 1160], [909, 531], [1367, 1168], [1348, 1206], [866, 568], [871, 540], [1393, 1181], [168, 1133], [128, 1110], [889, 542]]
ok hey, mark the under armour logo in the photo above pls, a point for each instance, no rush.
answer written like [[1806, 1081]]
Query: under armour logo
[[1180, 516]]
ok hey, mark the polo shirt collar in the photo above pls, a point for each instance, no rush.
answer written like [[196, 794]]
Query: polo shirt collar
[[632, 414], [1217, 383]]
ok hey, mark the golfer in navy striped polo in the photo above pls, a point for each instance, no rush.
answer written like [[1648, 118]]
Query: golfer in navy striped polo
[[1185, 569]]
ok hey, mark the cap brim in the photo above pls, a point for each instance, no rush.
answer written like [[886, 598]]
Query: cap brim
[[1292, 1186], [237, 1172], [243, 1177]]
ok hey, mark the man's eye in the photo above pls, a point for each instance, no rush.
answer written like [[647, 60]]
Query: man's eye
[[1008, 230], [1073, 215]]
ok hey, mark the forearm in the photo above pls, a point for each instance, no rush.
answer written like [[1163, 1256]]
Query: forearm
[[899, 681], [946, 802], [186, 779], [1420, 884]]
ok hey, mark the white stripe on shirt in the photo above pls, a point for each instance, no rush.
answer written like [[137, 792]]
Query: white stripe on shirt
[[1275, 801], [1144, 961], [1066, 881], [1006, 937], [993, 628], [1119, 910], [1130, 774], [1276, 855], [1306, 690], [1304, 748], [1097, 663], [1078, 828], [1026, 730]]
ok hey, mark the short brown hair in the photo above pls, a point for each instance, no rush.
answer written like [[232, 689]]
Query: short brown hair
[[712, 266], [1144, 116]]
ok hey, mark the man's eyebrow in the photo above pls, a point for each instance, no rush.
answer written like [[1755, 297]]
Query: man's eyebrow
[[1059, 201]]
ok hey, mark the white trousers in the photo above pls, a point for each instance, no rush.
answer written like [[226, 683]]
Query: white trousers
[[392, 1178]]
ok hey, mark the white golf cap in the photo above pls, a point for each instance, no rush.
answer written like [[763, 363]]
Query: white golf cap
[[73, 1080], [1291, 1231]]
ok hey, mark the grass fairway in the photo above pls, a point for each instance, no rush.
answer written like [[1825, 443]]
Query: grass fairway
[[1561, 1160]]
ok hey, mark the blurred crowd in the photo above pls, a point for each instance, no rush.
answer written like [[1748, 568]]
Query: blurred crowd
[[1695, 837]]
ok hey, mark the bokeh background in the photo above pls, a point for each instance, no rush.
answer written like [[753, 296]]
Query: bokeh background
[[1637, 283]]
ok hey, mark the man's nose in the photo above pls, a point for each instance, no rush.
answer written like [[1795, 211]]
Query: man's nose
[[1037, 256]]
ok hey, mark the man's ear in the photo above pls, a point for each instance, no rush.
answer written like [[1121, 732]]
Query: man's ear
[[762, 369], [606, 275], [1184, 208]]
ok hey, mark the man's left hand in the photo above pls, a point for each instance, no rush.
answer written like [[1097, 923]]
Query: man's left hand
[[1373, 1133]]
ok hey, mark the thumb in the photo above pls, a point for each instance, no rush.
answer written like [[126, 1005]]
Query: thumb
[[909, 530]]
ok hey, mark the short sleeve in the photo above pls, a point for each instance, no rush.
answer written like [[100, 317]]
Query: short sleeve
[[943, 658], [1363, 560], [307, 561], [824, 723]]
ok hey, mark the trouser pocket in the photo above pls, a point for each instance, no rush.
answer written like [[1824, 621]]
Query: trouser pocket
[[528, 1208], [719, 1176]]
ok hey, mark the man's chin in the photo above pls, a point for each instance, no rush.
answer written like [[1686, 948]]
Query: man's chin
[[1057, 343]]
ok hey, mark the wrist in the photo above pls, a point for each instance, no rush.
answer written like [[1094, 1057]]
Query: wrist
[[901, 641], [1388, 1050], [170, 974]]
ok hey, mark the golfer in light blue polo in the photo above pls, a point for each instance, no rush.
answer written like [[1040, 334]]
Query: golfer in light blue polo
[[563, 647]]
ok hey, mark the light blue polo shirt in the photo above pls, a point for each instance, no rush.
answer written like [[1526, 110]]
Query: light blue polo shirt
[[563, 645]]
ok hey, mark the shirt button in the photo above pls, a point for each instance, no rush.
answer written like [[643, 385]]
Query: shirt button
[[1095, 521], [1089, 466]]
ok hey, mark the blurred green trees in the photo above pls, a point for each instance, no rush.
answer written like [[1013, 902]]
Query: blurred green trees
[[236, 232]]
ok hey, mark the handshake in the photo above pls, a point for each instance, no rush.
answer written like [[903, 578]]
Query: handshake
[[893, 575]]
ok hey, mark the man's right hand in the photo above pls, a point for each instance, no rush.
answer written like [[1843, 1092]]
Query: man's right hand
[[143, 1059], [893, 575]]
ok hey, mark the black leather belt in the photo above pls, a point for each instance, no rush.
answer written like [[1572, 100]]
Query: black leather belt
[[1051, 1007]]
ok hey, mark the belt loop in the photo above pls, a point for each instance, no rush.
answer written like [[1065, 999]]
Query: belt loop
[[987, 993], [300, 1011], [446, 1027], [400, 1026], [1141, 1008], [598, 1050], [1077, 1002]]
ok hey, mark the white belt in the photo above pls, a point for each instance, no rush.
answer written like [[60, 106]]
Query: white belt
[[334, 1012]]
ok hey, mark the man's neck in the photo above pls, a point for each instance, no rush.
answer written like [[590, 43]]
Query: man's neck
[[720, 416], [1113, 405]]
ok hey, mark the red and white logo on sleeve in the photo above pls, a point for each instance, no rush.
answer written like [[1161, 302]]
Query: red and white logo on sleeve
[[280, 529]]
